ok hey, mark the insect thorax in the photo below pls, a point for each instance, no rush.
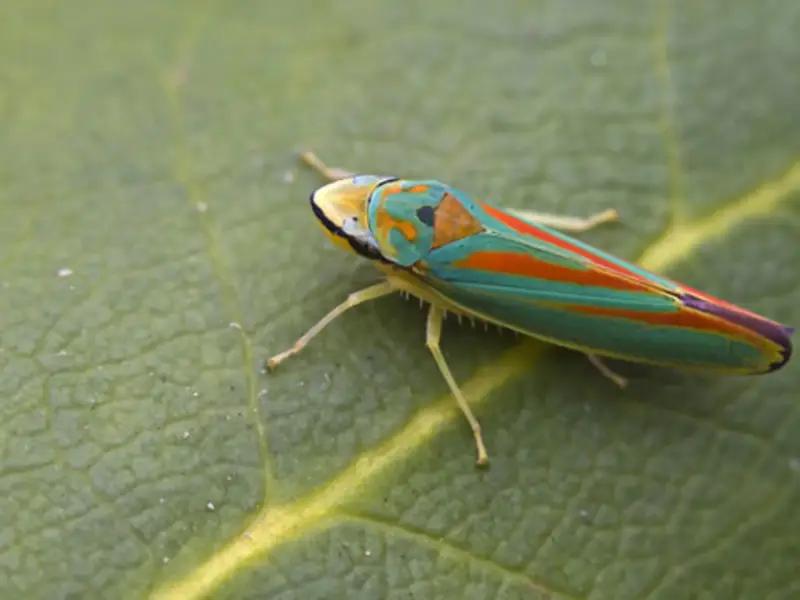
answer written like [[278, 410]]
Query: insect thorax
[[410, 218]]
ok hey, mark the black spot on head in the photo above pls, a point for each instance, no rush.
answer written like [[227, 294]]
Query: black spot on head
[[426, 214]]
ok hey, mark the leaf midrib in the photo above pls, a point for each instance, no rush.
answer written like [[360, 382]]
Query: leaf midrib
[[275, 526]]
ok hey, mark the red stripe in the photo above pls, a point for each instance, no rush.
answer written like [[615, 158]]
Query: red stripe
[[534, 231], [685, 318], [525, 265]]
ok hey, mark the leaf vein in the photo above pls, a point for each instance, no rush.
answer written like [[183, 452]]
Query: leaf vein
[[445, 547], [221, 269]]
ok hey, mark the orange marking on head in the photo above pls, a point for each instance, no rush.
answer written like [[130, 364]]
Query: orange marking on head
[[453, 222], [524, 265], [386, 222], [392, 187], [420, 188]]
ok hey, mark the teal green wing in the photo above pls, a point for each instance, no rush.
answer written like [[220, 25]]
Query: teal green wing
[[542, 283]]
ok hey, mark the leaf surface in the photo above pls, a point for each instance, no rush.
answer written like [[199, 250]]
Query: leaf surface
[[156, 245]]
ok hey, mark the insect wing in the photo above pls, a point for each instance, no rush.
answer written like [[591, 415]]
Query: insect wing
[[543, 283]]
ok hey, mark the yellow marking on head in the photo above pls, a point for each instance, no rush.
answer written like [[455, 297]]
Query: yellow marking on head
[[341, 200], [336, 239]]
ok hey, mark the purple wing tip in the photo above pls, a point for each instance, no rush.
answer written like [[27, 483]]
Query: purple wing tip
[[775, 332]]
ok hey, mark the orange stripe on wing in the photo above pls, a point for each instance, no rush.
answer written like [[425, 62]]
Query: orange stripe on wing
[[685, 318], [534, 231], [527, 228], [514, 263]]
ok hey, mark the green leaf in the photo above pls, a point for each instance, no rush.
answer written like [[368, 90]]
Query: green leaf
[[156, 245]]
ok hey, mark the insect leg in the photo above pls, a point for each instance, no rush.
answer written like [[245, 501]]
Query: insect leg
[[606, 370], [433, 334], [329, 173], [564, 223], [371, 293]]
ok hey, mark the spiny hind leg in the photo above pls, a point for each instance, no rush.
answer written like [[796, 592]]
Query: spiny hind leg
[[371, 293], [329, 173], [565, 223], [607, 371], [433, 334]]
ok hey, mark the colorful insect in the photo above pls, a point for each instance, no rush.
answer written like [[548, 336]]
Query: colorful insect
[[515, 270]]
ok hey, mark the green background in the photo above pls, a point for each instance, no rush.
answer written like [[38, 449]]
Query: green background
[[151, 148]]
